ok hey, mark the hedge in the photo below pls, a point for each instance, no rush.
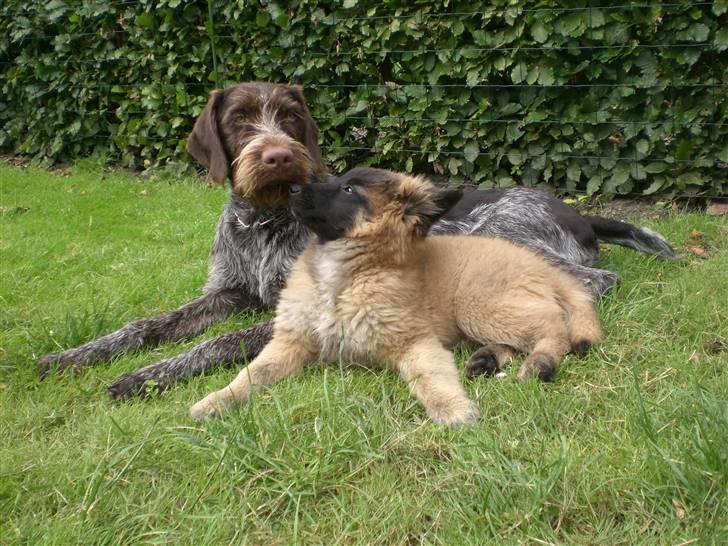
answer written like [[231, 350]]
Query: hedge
[[623, 98]]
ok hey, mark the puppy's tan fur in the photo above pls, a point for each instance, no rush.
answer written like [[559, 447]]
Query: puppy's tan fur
[[386, 294]]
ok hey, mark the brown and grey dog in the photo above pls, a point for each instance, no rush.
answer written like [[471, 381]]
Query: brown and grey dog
[[371, 288], [261, 137]]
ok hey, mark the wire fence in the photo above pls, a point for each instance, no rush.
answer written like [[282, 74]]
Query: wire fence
[[224, 71]]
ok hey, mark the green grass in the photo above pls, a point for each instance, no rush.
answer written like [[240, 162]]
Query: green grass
[[629, 445]]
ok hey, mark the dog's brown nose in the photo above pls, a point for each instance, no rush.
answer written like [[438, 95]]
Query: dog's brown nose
[[276, 156]]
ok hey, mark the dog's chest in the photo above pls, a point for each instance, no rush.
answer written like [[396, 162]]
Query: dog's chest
[[354, 319]]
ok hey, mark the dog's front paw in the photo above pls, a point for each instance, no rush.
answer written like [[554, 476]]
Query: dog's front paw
[[208, 407], [455, 414], [55, 362], [133, 384]]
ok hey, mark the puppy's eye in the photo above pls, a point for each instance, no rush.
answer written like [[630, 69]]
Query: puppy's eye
[[347, 189]]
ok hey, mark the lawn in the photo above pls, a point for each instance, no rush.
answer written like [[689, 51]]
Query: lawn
[[629, 445]]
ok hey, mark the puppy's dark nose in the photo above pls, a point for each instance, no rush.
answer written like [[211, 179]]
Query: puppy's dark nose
[[276, 156], [294, 189]]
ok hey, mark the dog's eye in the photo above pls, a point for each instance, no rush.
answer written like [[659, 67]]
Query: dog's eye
[[347, 189]]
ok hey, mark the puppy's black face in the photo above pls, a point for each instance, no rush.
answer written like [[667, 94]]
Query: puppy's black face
[[368, 202], [329, 209]]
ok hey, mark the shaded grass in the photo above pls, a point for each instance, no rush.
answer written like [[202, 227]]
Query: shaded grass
[[629, 445]]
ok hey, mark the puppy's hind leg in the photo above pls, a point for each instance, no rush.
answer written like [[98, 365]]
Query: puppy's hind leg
[[546, 354], [430, 371], [284, 356], [488, 360]]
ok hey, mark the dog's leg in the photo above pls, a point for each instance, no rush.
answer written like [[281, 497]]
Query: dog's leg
[[546, 354], [222, 351], [284, 356], [189, 320], [488, 360], [432, 375]]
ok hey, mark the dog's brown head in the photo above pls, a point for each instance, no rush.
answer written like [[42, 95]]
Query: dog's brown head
[[369, 203], [261, 136]]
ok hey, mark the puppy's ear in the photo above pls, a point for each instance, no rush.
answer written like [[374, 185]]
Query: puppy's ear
[[204, 142], [427, 204], [311, 132]]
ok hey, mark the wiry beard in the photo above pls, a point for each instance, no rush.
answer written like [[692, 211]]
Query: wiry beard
[[265, 187]]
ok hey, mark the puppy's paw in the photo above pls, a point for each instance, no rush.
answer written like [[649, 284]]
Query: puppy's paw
[[456, 414], [538, 365], [482, 362], [207, 408]]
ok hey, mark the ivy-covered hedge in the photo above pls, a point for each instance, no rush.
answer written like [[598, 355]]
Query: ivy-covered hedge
[[617, 99]]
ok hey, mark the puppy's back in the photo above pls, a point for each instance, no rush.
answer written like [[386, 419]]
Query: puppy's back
[[465, 274]]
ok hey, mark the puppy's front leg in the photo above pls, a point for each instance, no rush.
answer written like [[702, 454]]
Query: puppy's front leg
[[432, 375], [283, 357]]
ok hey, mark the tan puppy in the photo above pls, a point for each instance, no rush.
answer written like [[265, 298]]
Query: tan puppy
[[371, 288]]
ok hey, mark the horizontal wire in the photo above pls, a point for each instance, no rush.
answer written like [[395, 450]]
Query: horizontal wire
[[394, 86], [705, 45], [520, 11], [524, 155], [476, 121], [536, 122], [556, 156], [506, 11]]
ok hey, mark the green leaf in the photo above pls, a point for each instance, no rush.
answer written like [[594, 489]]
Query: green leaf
[[691, 178], [546, 76], [721, 38], [515, 157], [720, 7], [513, 132], [573, 172], [657, 167], [538, 31], [697, 32], [473, 77], [723, 154], [453, 164], [642, 146], [350, 3], [145, 20], [573, 24], [471, 151], [593, 185], [656, 185], [262, 18], [519, 72], [683, 150]]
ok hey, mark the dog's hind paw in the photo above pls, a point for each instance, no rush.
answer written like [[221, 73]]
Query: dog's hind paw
[[482, 362]]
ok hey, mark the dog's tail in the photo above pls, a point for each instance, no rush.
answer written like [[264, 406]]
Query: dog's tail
[[638, 238]]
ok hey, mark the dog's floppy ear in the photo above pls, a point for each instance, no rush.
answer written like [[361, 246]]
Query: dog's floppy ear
[[204, 143], [311, 132]]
